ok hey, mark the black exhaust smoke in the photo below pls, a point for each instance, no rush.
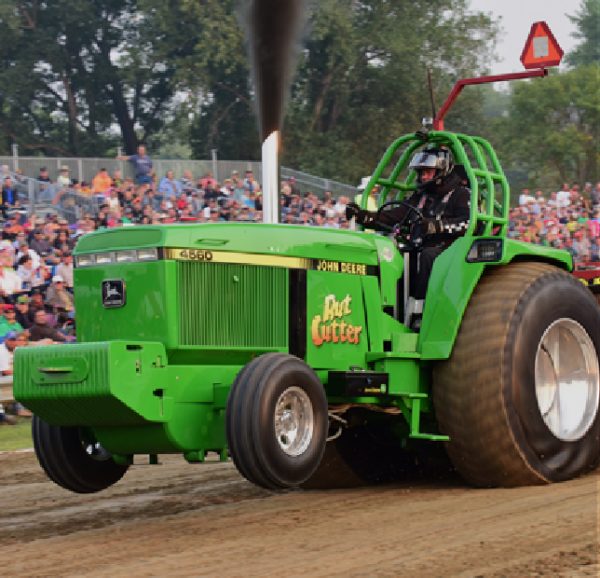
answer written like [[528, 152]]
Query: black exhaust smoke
[[274, 28]]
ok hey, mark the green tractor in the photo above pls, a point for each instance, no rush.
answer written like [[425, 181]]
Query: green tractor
[[284, 347]]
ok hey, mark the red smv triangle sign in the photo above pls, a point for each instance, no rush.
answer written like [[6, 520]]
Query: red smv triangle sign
[[541, 48]]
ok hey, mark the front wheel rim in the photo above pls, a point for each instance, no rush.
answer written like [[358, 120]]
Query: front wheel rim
[[567, 380], [294, 421], [93, 448]]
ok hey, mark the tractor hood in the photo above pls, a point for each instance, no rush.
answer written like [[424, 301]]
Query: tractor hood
[[253, 238]]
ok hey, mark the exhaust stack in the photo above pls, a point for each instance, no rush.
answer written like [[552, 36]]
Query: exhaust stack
[[274, 28], [270, 177]]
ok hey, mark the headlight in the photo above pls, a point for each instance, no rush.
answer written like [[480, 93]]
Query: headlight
[[485, 251], [147, 254], [104, 258], [85, 260], [125, 256]]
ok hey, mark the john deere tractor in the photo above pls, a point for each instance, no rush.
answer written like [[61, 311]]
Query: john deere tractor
[[284, 348]]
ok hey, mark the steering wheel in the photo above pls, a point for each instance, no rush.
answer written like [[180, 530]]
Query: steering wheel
[[401, 229]]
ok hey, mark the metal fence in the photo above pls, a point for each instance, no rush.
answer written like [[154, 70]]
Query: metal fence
[[84, 169]]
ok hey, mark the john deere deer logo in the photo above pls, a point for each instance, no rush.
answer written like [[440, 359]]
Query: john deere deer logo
[[330, 326], [113, 293]]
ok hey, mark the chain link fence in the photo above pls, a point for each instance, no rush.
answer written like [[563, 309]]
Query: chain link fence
[[40, 197]]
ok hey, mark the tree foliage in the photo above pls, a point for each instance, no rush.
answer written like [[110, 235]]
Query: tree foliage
[[75, 68], [551, 132], [362, 78], [587, 20]]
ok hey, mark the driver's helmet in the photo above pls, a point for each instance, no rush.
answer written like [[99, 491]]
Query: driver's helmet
[[438, 158]]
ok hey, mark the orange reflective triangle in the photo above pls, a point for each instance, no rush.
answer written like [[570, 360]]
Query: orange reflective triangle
[[541, 48]]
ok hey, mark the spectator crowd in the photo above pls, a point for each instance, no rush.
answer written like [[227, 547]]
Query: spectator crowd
[[36, 263], [567, 219]]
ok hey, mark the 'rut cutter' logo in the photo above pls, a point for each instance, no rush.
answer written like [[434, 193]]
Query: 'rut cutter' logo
[[113, 293], [331, 327]]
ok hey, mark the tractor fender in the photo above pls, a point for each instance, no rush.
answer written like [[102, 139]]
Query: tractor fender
[[453, 281]]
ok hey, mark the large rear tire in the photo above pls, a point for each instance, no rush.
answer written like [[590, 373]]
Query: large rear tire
[[277, 421], [73, 459], [519, 396]]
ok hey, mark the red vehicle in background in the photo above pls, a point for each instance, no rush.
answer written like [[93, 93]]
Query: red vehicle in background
[[589, 274]]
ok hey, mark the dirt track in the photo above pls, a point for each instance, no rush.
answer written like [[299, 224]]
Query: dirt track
[[205, 520]]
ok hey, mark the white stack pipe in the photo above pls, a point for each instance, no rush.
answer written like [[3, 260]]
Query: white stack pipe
[[270, 178]]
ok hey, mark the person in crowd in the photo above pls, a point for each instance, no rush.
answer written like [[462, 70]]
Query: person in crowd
[[238, 186], [372, 200], [63, 242], [293, 184], [12, 340], [13, 227], [169, 186], [42, 330], [211, 193], [24, 249], [10, 283], [44, 175], [30, 275], [58, 296], [64, 178], [65, 270], [101, 183], [8, 320], [5, 418], [227, 190], [39, 243], [117, 179], [9, 196], [187, 182], [142, 165], [250, 183], [207, 181], [36, 303], [22, 312]]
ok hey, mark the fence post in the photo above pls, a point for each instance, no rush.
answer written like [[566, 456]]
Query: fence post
[[215, 172], [80, 170], [31, 194], [15, 155]]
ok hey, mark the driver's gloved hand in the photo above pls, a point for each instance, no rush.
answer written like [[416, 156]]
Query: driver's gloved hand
[[353, 210], [362, 217]]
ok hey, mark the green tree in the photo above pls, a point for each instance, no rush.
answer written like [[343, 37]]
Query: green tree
[[223, 110], [587, 20], [362, 78], [551, 133], [73, 69]]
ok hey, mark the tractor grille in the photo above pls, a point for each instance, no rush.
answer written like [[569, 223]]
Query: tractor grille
[[232, 305]]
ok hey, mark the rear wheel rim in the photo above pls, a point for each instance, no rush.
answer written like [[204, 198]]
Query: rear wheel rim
[[567, 380], [294, 421]]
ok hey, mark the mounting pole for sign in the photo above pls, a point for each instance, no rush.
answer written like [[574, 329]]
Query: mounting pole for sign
[[541, 50], [438, 122]]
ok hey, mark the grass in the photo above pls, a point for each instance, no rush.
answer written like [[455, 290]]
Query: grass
[[16, 437]]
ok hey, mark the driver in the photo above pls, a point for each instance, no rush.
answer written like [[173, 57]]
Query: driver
[[443, 201]]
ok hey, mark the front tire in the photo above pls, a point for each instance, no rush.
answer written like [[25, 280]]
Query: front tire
[[73, 459], [519, 396], [277, 421]]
